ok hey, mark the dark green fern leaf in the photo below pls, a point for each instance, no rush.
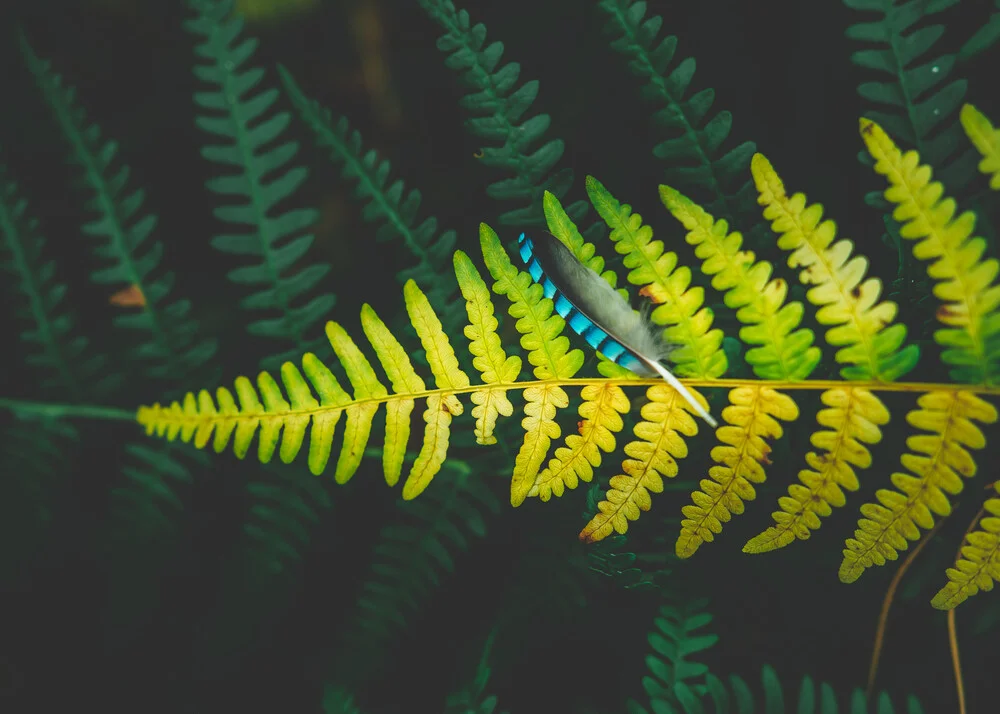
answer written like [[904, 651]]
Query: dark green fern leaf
[[678, 634], [259, 176], [388, 204], [696, 163], [62, 355], [917, 105], [473, 699], [338, 701], [497, 106], [409, 561], [286, 504], [984, 38], [738, 698], [35, 454], [170, 346]]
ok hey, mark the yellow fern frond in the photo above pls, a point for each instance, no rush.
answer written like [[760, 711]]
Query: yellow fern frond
[[871, 347], [601, 410], [853, 418], [782, 353], [979, 563], [652, 457], [938, 461], [964, 284], [563, 228], [750, 419], [488, 355], [986, 139], [548, 350], [397, 366]]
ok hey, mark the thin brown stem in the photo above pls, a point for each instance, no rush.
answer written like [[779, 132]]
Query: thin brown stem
[[887, 603]]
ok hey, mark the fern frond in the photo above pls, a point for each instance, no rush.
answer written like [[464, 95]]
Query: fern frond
[[601, 419], [172, 347], [284, 421], [871, 347], [679, 633], [548, 350], [985, 137], [979, 563], [652, 456], [497, 107], [65, 359], [737, 696], [966, 283], [917, 99], [263, 180], [386, 203], [412, 556], [489, 358], [936, 465], [782, 352], [692, 150]]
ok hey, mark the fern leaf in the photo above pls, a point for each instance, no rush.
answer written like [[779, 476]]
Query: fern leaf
[[692, 150], [652, 456], [985, 138], [782, 352], [936, 464], [679, 305], [386, 203], [489, 358], [979, 563], [965, 282], [497, 107], [750, 419], [564, 228], [917, 104], [871, 347], [65, 359], [679, 634], [404, 379], [601, 412], [548, 350], [172, 347], [263, 180]]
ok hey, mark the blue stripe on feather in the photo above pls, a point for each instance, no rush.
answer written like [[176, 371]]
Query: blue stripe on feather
[[582, 325]]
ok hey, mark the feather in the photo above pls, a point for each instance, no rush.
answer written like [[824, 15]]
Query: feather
[[598, 313]]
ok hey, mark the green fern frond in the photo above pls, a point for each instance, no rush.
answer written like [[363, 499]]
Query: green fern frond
[[692, 150], [678, 635], [259, 177], [979, 563], [65, 360], [410, 559], [337, 701], [985, 138], [984, 38], [386, 203], [870, 346], [781, 352], [171, 348], [473, 698], [919, 103], [497, 108], [738, 697], [34, 453]]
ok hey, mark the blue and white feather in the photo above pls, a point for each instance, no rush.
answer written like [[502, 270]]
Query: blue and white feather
[[598, 313]]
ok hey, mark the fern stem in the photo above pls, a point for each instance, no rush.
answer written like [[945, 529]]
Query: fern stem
[[49, 410]]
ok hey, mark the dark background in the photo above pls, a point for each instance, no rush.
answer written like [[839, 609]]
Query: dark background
[[781, 67]]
